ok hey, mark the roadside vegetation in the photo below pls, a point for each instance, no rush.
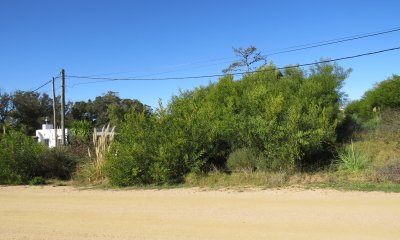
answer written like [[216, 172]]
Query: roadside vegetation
[[270, 128], [24, 161]]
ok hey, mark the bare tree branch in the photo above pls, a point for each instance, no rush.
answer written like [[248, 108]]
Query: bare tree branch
[[246, 58]]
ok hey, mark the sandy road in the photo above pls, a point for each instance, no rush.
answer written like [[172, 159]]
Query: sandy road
[[68, 213]]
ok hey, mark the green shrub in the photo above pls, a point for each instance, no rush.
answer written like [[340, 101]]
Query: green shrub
[[242, 159], [59, 162], [246, 159], [383, 96], [128, 167], [22, 159], [19, 158], [284, 116], [131, 156], [81, 132], [351, 160], [150, 150], [37, 181]]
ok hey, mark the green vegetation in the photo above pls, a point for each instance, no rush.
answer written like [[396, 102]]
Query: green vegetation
[[22, 160], [352, 160], [239, 179], [81, 131], [270, 128], [385, 95], [37, 181], [26, 111], [91, 170], [245, 159], [59, 163], [19, 158], [108, 108], [148, 149], [284, 117]]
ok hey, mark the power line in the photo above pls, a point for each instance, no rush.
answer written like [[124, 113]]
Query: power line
[[269, 53], [342, 38], [44, 84], [171, 71], [294, 48], [103, 79], [330, 42]]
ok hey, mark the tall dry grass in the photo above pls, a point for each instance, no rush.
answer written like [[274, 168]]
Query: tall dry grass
[[91, 172], [102, 145]]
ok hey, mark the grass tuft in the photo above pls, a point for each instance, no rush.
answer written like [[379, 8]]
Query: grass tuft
[[351, 160]]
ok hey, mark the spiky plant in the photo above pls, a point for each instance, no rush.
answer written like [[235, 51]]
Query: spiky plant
[[351, 160]]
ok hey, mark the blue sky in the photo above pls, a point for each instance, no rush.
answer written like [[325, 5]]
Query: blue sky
[[118, 38]]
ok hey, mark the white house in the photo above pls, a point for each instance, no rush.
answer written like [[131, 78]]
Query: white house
[[46, 135]]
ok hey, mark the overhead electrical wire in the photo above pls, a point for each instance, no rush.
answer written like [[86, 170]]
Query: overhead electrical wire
[[41, 86], [269, 53], [329, 42], [104, 79], [278, 51], [44, 84]]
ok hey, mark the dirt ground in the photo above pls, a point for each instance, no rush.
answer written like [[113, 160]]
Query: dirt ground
[[69, 213]]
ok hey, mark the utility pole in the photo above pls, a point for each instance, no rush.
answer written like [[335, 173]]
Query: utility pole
[[54, 114], [62, 106]]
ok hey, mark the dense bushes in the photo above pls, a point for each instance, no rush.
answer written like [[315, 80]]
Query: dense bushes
[[283, 116], [19, 158], [383, 96], [245, 159], [81, 131], [149, 149], [270, 120], [59, 162], [22, 159]]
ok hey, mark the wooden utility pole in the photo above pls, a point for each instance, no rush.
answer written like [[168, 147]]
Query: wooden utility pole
[[54, 115], [62, 107]]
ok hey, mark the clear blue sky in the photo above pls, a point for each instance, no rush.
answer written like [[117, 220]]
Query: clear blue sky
[[38, 38]]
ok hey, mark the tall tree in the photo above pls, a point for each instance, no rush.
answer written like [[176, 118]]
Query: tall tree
[[247, 57], [81, 111], [107, 108], [29, 109], [5, 106]]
